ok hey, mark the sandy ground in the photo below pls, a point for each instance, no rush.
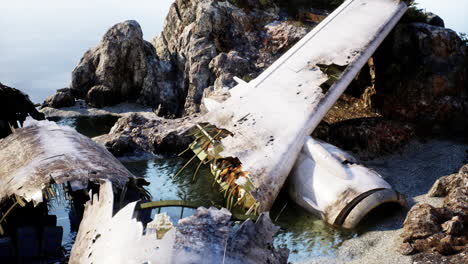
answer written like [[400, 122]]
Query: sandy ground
[[411, 172], [81, 109]]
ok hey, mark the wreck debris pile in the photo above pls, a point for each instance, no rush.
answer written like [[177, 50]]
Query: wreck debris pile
[[440, 235], [204, 237], [43, 161], [266, 139]]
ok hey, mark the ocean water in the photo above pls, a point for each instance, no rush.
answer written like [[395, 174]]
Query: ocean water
[[42, 41]]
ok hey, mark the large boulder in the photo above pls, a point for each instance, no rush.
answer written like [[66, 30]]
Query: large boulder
[[421, 77], [205, 40], [124, 63], [447, 184], [62, 98], [439, 235], [139, 135], [101, 95]]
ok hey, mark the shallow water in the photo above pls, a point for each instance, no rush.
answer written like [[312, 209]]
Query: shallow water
[[305, 235]]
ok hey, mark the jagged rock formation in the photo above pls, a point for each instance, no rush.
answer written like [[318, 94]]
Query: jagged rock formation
[[136, 135], [421, 76], [62, 98], [120, 68], [204, 39], [440, 235], [373, 135], [15, 106]]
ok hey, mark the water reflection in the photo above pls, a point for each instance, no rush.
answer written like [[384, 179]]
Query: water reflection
[[90, 126], [304, 234]]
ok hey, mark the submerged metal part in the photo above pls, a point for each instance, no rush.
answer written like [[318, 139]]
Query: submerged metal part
[[205, 237], [271, 116], [42, 153], [334, 187]]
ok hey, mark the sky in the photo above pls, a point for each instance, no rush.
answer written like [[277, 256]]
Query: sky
[[453, 12], [41, 41]]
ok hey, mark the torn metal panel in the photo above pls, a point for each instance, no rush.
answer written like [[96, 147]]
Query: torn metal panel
[[205, 237], [271, 116], [42, 153], [103, 238]]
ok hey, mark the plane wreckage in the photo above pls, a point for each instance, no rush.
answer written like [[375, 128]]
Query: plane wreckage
[[253, 142], [41, 161]]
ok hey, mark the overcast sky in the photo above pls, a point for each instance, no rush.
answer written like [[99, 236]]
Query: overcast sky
[[453, 12], [41, 41]]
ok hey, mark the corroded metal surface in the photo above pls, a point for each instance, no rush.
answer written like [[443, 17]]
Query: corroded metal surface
[[205, 237], [42, 153], [271, 116]]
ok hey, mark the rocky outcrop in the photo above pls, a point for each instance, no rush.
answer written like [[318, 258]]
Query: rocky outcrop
[[62, 98], [209, 42], [123, 67], [137, 135], [421, 77], [447, 184], [439, 234], [371, 135], [100, 96], [15, 106]]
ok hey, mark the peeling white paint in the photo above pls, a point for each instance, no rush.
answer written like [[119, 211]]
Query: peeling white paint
[[271, 116]]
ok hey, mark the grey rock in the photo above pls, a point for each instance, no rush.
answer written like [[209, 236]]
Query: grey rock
[[137, 135], [447, 184], [457, 202], [439, 235], [453, 227], [62, 98], [421, 77], [421, 222], [227, 65], [434, 20], [128, 66], [250, 243], [100, 96], [210, 42]]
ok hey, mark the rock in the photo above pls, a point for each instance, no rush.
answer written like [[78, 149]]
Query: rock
[[437, 258], [371, 135], [100, 96], [439, 235], [210, 42], [434, 20], [453, 227], [62, 98], [280, 36], [128, 66], [406, 249], [227, 65], [137, 135], [447, 184], [457, 202], [15, 106], [421, 77], [421, 222]]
